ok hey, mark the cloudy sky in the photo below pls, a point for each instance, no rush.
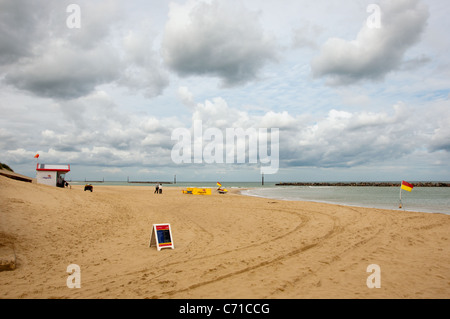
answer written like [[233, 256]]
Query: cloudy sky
[[359, 90]]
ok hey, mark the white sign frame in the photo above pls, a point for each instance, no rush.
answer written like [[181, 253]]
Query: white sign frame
[[154, 241]]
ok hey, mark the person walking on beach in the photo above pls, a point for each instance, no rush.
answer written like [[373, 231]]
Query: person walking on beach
[[156, 189], [160, 188]]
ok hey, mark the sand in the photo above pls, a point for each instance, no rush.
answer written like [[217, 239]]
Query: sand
[[226, 246]]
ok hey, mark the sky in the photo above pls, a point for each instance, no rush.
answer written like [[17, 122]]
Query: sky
[[358, 90]]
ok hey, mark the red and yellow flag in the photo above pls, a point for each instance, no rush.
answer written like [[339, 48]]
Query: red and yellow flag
[[36, 156], [218, 184], [407, 186]]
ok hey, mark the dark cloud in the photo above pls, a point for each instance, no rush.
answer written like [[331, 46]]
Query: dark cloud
[[65, 73], [220, 39], [21, 28], [41, 55]]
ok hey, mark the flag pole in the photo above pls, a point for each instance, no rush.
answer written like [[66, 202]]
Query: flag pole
[[400, 205]]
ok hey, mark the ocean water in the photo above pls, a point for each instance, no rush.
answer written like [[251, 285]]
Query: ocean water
[[421, 199]]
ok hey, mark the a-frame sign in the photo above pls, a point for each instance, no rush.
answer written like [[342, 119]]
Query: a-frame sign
[[161, 236]]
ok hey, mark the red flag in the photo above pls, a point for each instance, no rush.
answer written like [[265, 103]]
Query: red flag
[[407, 186], [36, 156]]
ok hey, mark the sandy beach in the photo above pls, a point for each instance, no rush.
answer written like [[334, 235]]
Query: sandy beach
[[226, 246]]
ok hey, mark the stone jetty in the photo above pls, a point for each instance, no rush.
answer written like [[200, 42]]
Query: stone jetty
[[372, 184]]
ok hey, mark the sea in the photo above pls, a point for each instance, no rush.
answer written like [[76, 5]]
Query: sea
[[420, 199]]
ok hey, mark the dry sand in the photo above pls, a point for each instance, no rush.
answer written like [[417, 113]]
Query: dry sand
[[226, 246]]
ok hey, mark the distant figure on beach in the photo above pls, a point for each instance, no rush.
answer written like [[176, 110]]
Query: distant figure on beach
[[160, 188], [156, 189]]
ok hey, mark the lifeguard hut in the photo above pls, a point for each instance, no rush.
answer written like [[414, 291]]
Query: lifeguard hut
[[52, 175]]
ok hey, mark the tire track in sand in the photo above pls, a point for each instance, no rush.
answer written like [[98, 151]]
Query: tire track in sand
[[273, 260], [362, 247], [171, 267]]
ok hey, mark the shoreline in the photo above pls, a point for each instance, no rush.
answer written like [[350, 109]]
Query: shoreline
[[360, 205], [238, 191], [227, 246]]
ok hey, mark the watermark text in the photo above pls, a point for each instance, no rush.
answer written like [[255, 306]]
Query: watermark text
[[374, 20], [236, 145], [73, 21], [374, 280], [74, 279]]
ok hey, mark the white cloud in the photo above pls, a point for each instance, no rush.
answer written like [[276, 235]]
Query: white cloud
[[142, 66], [186, 96], [217, 113], [375, 51], [341, 138], [112, 170], [281, 120], [439, 116]]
